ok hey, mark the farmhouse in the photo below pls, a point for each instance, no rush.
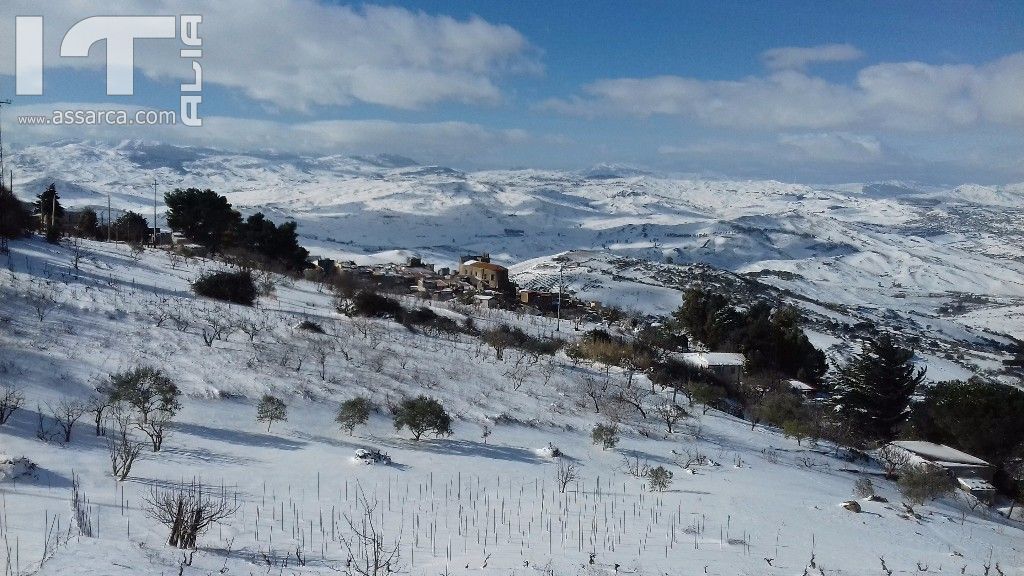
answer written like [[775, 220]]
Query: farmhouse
[[972, 474], [484, 275], [727, 367]]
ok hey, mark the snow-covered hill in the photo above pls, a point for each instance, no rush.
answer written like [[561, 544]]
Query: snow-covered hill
[[758, 503], [943, 265]]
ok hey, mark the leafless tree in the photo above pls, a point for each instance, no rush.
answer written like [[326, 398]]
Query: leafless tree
[[188, 511], [892, 459], [42, 299], [565, 474], [634, 395], [320, 349], [594, 389], [218, 325], [670, 413], [77, 249], [97, 405], [156, 427], [122, 446], [10, 400], [253, 326], [369, 552], [66, 412]]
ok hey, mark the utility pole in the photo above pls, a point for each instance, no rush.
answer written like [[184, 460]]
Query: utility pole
[[558, 321], [108, 216], [2, 165], [154, 212]]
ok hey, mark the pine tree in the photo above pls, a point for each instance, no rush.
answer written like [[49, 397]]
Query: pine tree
[[873, 391], [47, 207]]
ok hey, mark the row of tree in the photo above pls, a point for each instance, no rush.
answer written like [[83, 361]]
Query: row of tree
[[207, 218]]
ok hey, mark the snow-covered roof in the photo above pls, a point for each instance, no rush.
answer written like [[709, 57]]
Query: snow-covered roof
[[706, 359], [800, 386], [974, 484], [939, 453]]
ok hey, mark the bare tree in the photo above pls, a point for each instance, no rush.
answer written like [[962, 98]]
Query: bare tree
[[565, 474], [156, 427], [253, 326], [320, 349], [122, 446], [42, 299], [670, 413], [77, 249], [97, 405], [369, 553], [10, 400], [892, 459], [634, 395], [188, 511], [594, 389], [66, 412]]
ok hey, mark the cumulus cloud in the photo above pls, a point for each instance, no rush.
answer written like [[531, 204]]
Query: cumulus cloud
[[296, 54], [911, 96], [799, 58]]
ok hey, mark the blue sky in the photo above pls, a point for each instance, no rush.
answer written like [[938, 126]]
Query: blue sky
[[806, 91]]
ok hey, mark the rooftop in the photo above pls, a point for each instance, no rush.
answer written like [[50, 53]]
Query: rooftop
[[713, 358], [939, 452]]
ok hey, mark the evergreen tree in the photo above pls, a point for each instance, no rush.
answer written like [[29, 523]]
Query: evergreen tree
[[88, 225], [131, 227], [873, 390], [48, 208], [203, 216], [14, 219], [421, 415]]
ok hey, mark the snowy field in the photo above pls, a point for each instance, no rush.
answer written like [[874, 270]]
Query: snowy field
[[944, 264], [758, 503]]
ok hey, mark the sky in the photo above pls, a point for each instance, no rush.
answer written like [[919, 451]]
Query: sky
[[919, 91]]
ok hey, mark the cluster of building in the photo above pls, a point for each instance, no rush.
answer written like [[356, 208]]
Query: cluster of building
[[476, 280]]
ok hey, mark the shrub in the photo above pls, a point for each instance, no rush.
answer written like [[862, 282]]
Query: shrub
[[310, 326], [271, 409], [422, 415], [607, 435], [922, 483], [235, 287], [354, 412], [373, 305], [863, 488], [659, 479]]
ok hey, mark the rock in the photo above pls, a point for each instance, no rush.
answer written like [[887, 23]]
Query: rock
[[877, 498], [852, 505], [14, 468]]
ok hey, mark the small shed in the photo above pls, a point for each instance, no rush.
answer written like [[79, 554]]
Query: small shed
[[727, 367]]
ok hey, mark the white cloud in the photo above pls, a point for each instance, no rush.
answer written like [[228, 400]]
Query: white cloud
[[798, 58], [295, 54], [907, 96], [443, 142]]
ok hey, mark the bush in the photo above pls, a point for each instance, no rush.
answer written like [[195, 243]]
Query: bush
[[863, 488], [310, 326], [659, 479], [422, 415], [354, 412], [235, 287], [373, 305], [607, 435], [922, 483], [146, 389], [505, 336]]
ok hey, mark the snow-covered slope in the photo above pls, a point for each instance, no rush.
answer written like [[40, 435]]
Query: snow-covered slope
[[943, 265], [467, 504]]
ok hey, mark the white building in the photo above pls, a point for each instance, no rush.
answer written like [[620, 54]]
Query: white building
[[725, 366], [971, 473]]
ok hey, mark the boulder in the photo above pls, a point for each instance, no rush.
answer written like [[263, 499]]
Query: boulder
[[851, 505]]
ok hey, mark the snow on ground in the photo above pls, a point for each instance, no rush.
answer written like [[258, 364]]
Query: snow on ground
[[916, 261], [459, 505]]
